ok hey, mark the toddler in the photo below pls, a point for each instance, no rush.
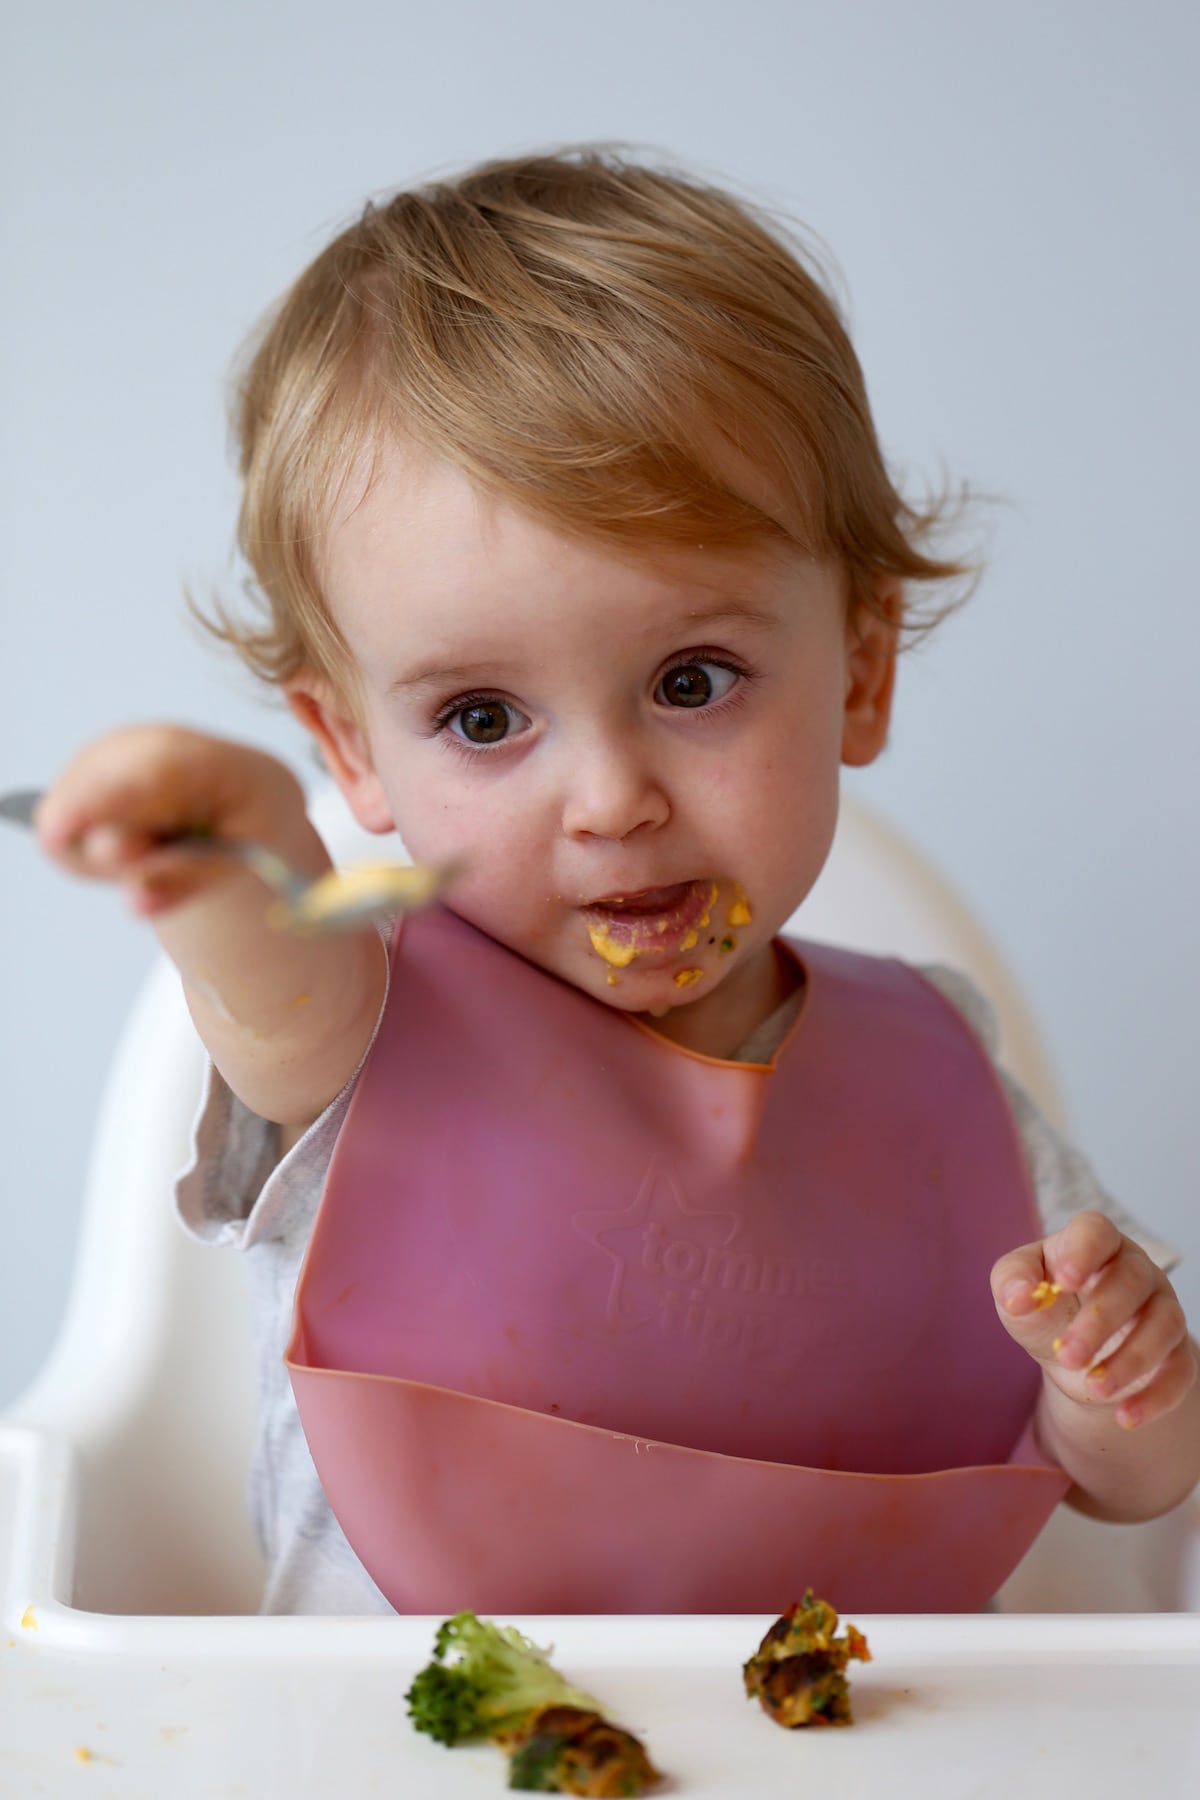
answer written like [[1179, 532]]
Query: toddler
[[646, 1255]]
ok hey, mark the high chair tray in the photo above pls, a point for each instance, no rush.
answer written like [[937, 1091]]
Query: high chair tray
[[137, 1708], [302, 1709]]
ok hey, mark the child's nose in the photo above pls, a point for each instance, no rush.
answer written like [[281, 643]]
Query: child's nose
[[612, 791]]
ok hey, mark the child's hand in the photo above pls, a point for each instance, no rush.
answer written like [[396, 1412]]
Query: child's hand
[[1107, 1289], [110, 812]]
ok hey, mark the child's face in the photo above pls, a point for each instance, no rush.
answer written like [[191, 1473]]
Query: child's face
[[638, 759]]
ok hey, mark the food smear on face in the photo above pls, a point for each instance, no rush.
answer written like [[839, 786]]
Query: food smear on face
[[652, 921], [619, 955], [612, 978], [685, 977], [739, 912]]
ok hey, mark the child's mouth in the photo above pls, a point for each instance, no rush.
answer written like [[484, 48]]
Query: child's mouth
[[665, 918]]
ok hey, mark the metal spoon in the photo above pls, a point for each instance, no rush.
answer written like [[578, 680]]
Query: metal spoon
[[339, 900]]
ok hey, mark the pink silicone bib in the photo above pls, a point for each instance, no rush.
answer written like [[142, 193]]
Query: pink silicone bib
[[588, 1322]]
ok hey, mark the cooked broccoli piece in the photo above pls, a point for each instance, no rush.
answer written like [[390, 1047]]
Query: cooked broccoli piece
[[566, 1750], [797, 1671], [485, 1680]]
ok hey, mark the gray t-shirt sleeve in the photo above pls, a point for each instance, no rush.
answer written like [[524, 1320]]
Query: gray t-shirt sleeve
[[1064, 1182], [237, 1188]]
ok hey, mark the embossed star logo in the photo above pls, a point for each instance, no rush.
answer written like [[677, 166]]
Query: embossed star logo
[[645, 1252]]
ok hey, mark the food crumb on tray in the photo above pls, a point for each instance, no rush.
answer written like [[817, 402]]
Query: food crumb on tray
[[797, 1674]]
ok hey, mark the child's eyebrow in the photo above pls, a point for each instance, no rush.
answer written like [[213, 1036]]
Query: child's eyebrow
[[437, 675], [434, 674], [735, 612]]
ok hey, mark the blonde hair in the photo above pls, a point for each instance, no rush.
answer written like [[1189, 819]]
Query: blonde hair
[[603, 343]]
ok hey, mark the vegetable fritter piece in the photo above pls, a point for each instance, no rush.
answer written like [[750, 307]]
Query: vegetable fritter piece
[[487, 1680], [797, 1672], [566, 1750]]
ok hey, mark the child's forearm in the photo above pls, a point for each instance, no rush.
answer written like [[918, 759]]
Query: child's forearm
[[1119, 1474], [285, 1018]]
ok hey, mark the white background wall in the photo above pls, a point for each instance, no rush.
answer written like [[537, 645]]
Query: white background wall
[[1010, 193]]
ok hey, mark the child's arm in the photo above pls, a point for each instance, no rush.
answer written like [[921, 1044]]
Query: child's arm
[[285, 1018], [1131, 1454]]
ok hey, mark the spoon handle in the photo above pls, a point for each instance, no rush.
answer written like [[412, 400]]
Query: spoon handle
[[276, 874], [338, 900], [19, 806]]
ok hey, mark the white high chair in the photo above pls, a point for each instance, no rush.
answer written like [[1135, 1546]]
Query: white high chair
[[122, 1468]]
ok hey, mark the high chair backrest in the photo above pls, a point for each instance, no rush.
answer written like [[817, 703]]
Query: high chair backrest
[[151, 1379]]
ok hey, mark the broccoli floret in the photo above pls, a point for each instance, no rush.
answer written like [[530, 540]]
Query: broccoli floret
[[485, 1680], [565, 1750], [797, 1672]]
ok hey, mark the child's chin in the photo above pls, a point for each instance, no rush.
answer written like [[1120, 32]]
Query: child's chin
[[653, 992]]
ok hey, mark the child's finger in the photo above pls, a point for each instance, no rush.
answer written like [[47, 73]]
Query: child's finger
[[1077, 1252], [1157, 1331], [1172, 1384], [1110, 1303], [102, 852], [1017, 1279], [1031, 1304]]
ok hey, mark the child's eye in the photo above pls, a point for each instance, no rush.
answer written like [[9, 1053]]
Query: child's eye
[[696, 683], [481, 720]]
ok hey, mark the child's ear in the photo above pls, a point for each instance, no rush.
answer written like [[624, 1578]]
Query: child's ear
[[323, 712], [871, 643]]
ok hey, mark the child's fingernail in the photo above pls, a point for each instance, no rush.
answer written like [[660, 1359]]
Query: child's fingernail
[[1070, 1354], [1129, 1415], [1012, 1294], [1100, 1381]]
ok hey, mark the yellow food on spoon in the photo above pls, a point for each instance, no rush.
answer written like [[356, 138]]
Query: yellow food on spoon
[[367, 889]]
